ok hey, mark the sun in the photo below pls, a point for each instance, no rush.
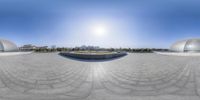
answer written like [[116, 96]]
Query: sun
[[99, 30]]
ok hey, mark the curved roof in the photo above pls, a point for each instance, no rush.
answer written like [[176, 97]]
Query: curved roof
[[7, 46], [190, 45]]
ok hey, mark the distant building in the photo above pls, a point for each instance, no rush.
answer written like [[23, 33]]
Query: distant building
[[28, 47], [7, 46], [43, 47], [83, 47], [53, 47]]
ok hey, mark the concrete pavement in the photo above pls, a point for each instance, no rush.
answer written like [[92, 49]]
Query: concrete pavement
[[49, 76]]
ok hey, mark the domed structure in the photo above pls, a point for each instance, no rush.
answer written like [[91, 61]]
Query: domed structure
[[190, 45], [7, 46]]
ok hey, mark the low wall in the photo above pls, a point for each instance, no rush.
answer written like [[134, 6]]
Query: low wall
[[93, 56], [13, 53], [178, 53]]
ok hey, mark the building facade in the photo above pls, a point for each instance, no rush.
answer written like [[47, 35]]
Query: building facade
[[190, 45], [7, 46]]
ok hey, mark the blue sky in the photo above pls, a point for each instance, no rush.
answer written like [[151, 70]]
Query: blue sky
[[129, 23]]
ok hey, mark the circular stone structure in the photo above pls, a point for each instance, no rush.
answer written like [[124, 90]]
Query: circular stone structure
[[93, 55], [190, 45], [7, 46]]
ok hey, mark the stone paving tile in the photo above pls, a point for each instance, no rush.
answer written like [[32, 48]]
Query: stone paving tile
[[49, 76]]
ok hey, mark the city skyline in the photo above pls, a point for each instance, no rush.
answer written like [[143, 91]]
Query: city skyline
[[134, 24]]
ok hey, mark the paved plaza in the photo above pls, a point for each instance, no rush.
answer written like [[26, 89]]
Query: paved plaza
[[137, 76]]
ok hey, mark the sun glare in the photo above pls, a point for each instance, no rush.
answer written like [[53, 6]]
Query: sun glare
[[99, 30]]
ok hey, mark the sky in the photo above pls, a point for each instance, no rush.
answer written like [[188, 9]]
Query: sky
[[125, 23]]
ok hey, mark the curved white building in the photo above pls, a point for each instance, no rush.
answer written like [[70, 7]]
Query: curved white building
[[190, 45], [7, 46]]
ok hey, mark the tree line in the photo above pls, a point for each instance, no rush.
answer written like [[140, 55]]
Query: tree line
[[131, 50]]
